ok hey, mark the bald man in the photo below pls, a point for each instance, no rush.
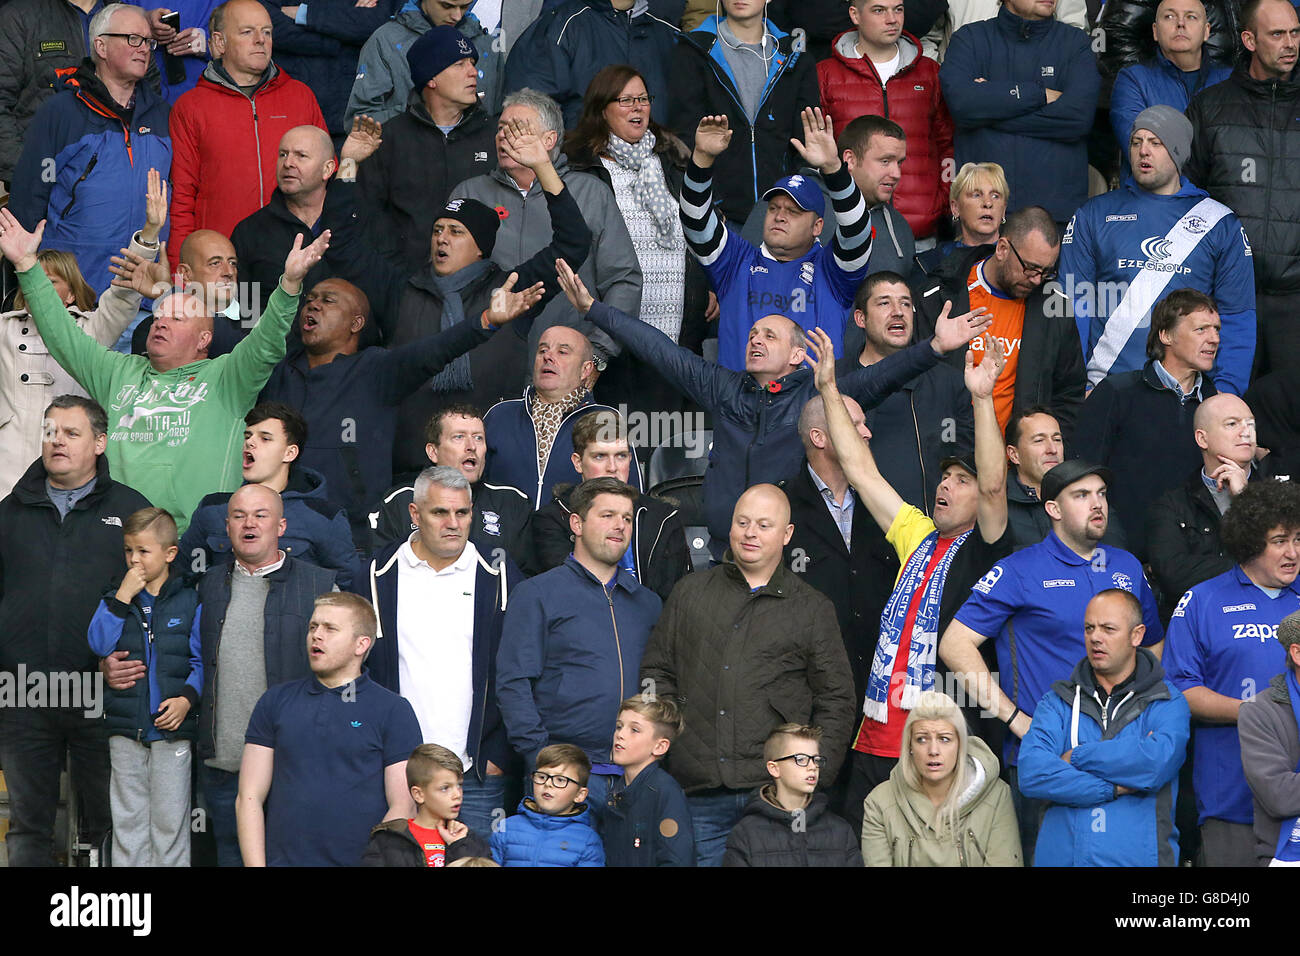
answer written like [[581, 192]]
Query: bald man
[[745, 647], [226, 131], [306, 201], [208, 269], [756, 412], [1183, 544], [175, 422], [350, 394]]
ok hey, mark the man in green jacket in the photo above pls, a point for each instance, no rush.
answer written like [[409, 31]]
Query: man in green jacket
[[175, 417]]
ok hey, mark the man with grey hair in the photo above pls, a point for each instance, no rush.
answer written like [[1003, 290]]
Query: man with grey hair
[[612, 269], [444, 137], [441, 605], [85, 162]]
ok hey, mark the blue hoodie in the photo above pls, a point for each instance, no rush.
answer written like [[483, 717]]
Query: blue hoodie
[[1119, 238]]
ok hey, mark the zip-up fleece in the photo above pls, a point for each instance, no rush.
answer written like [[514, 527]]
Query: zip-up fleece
[[226, 143], [760, 152], [1136, 738], [569, 656]]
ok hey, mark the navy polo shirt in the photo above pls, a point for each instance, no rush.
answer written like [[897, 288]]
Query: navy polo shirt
[[1223, 636], [331, 748], [1034, 602]]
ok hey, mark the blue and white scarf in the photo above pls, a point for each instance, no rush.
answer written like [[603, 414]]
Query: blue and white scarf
[[925, 636], [1288, 838]]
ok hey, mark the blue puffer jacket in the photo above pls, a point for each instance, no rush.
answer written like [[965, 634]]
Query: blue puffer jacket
[[1155, 81], [995, 78], [573, 41], [316, 529], [512, 448], [1138, 740], [534, 838], [100, 157], [570, 654]]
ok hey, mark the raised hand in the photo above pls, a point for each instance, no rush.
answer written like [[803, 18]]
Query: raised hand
[[17, 244], [155, 206], [150, 279], [821, 356], [953, 331], [574, 289], [981, 378], [818, 146], [712, 137], [508, 304], [522, 142], [189, 42], [363, 140], [1229, 476], [300, 260]]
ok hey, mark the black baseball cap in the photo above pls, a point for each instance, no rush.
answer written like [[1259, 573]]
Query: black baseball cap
[[1067, 473], [965, 461]]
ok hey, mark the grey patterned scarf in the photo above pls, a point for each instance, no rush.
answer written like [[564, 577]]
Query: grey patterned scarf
[[456, 376], [648, 187]]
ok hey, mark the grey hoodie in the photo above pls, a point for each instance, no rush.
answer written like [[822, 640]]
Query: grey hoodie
[[1270, 753]]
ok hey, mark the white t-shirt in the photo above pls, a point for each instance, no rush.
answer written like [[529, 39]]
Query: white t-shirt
[[888, 69]]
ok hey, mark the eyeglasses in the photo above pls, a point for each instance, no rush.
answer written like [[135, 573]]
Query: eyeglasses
[[803, 760], [558, 780], [133, 39], [627, 102], [1046, 273]]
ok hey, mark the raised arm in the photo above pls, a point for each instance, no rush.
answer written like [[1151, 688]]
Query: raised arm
[[855, 457], [990, 450], [851, 245]]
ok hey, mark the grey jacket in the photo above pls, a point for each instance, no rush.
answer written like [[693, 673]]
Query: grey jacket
[[612, 271], [383, 80], [1270, 753]]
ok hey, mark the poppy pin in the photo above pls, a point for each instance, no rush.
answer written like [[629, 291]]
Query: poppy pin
[[502, 212], [774, 387]]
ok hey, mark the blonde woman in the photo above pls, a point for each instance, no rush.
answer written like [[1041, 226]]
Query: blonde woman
[[978, 202], [29, 376], [943, 804]]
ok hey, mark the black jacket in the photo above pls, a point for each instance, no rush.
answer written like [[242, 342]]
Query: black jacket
[[858, 582], [1050, 370], [53, 572], [1244, 138], [700, 87], [925, 421], [295, 585], [770, 836], [1182, 536], [658, 535], [1142, 432], [408, 179], [391, 844], [1127, 28], [503, 518]]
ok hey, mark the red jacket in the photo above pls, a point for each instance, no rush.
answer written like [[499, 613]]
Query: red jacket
[[225, 147], [850, 87]]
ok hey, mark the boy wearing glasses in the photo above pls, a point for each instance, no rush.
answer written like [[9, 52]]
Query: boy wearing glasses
[[553, 827], [647, 821], [787, 822], [1032, 320]]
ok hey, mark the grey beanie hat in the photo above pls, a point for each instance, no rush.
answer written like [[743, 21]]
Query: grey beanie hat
[[1173, 128]]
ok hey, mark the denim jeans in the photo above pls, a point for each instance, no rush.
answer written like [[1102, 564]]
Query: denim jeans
[[220, 789], [713, 814], [482, 804], [32, 744]]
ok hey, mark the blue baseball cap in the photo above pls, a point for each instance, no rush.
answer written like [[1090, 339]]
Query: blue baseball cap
[[804, 191]]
